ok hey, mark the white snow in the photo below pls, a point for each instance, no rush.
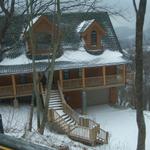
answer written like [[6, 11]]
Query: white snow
[[80, 56], [22, 59], [120, 123], [32, 22], [85, 24]]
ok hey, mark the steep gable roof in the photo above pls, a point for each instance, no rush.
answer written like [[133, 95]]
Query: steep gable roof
[[70, 42], [84, 25]]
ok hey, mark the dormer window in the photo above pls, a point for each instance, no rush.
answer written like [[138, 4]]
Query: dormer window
[[43, 40], [91, 33], [93, 38]]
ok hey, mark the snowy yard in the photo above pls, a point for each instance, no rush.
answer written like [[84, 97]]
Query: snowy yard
[[120, 123]]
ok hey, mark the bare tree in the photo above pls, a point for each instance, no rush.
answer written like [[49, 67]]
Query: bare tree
[[7, 8], [140, 17], [56, 44]]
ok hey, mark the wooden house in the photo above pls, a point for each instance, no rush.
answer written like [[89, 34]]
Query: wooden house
[[89, 67]]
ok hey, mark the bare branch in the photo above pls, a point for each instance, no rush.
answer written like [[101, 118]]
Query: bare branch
[[135, 7], [2, 5]]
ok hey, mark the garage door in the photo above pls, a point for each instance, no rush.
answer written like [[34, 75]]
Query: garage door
[[100, 96]]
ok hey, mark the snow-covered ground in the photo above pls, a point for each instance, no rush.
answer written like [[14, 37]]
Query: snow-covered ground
[[120, 123]]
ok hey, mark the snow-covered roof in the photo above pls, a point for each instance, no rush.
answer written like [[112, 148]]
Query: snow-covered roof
[[81, 56], [69, 60], [32, 22], [84, 25]]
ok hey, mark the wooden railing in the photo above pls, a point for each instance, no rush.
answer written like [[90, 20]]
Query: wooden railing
[[53, 116], [21, 90], [86, 129], [67, 109], [103, 136], [6, 91], [24, 89], [110, 80], [76, 83]]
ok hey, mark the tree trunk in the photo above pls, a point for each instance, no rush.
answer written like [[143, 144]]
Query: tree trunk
[[140, 16], [31, 112], [56, 43]]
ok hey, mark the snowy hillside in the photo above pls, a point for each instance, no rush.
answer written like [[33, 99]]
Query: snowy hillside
[[120, 123]]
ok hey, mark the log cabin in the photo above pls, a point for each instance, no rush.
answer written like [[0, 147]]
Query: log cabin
[[89, 63], [89, 67]]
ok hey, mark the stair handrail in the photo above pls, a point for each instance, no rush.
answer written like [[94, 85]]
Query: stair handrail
[[91, 124], [60, 119], [66, 107]]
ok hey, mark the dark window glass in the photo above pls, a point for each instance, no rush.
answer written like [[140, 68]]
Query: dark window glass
[[93, 38], [66, 74], [43, 41]]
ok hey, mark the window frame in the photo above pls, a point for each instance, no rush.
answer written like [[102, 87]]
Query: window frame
[[94, 38]]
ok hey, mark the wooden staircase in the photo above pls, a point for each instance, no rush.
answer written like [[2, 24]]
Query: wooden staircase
[[77, 127]]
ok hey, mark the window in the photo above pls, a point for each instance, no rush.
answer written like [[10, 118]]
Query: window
[[66, 74], [43, 40], [93, 38]]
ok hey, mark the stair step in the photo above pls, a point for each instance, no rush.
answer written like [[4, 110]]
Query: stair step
[[57, 108], [55, 105], [55, 99], [61, 113], [55, 102]]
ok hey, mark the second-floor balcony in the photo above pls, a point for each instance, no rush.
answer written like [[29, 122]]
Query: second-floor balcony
[[18, 90], [101, 80], [91, 82]]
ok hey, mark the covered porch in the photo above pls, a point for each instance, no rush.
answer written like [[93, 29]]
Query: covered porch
[[90, 78], [13, 86]]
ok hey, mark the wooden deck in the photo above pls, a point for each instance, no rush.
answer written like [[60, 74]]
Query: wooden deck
[[77, 127], [93, 82], [17, 91]]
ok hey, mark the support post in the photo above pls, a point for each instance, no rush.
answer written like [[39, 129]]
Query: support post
[[14, 90], [104, 75], [84, 103], [124, 73], [61, 78], [83, 77]]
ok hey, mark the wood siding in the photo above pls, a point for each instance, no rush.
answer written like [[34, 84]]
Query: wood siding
[[42, 25], [87, 36], [74, 99], [5, 80]]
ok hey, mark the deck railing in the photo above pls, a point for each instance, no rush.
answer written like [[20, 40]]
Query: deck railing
[[24, 89], [86, 128], [6, 91], [109, 80], [21, 90]]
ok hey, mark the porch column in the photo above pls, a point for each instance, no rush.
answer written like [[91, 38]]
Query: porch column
[[83, 77], [84, 103], [61, 77], [104, 75], [14, 90], [124, 73]]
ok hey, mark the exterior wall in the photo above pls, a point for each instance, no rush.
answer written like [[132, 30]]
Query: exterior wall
[[97, 97], [74, 99], [94, 97], [110, 70], [42, 25], [5, 80], [23, 78], [91, 72], [87, 36]]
